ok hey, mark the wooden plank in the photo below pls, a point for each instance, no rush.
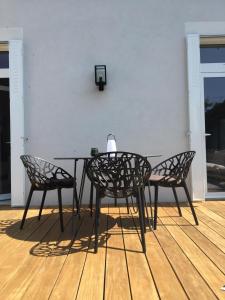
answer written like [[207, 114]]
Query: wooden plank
[[141, 280], [204, 229], [11, 217], [15, 278], [217, 207], [213, 253], [217, 203], [213, 215], [56, 253], [92, 280], [116, 275], [212, 224], [14, 236], [220, 204], [157, 260], [211, 274], [69, 278], [22, 239], [8, 212], [46, 275], [194, 285], [213, 202]]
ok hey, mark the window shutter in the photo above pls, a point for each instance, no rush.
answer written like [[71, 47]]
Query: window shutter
[[212, 40], [4, 46]]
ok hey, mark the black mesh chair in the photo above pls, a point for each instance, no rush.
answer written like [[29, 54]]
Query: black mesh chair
[[173, 173], [44, 176], [119, 175]]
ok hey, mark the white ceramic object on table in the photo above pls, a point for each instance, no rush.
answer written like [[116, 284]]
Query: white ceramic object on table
[[111, 143]]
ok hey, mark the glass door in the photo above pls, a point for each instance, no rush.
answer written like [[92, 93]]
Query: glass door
[[5, 177], [5, 156], [214, 106]]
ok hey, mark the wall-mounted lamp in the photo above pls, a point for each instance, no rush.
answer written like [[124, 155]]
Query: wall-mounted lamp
[[100, 76]]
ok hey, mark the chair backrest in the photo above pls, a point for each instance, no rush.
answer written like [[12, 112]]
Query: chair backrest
[[38, 170], [119, 174], [176, 166]]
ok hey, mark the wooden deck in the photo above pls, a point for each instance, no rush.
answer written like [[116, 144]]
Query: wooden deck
[[182, 261]]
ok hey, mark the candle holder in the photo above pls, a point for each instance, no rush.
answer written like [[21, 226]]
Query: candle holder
[[94, 151]]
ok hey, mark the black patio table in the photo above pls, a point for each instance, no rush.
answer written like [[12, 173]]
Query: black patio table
[[85, 159]]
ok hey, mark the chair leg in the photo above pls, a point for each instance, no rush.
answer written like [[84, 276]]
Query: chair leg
[[97, 215], [150, 199], [91, 199], [42, 204], [146, 209], [190, 203], [141, 220], [177, 202], [27, 207], [156, 207], [142, 202], [60, 209], [115, 202], [127, 204]]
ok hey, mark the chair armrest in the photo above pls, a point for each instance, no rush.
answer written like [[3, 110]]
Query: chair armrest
[[60, 173]]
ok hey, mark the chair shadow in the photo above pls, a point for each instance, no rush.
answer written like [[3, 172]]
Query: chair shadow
[[70, 241], [6, 224]]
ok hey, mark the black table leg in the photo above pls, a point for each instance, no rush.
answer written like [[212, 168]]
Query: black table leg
[[82, 182], [75, 197], [91, 198]]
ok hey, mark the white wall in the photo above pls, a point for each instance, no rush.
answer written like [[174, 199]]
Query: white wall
[[143, 45]]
